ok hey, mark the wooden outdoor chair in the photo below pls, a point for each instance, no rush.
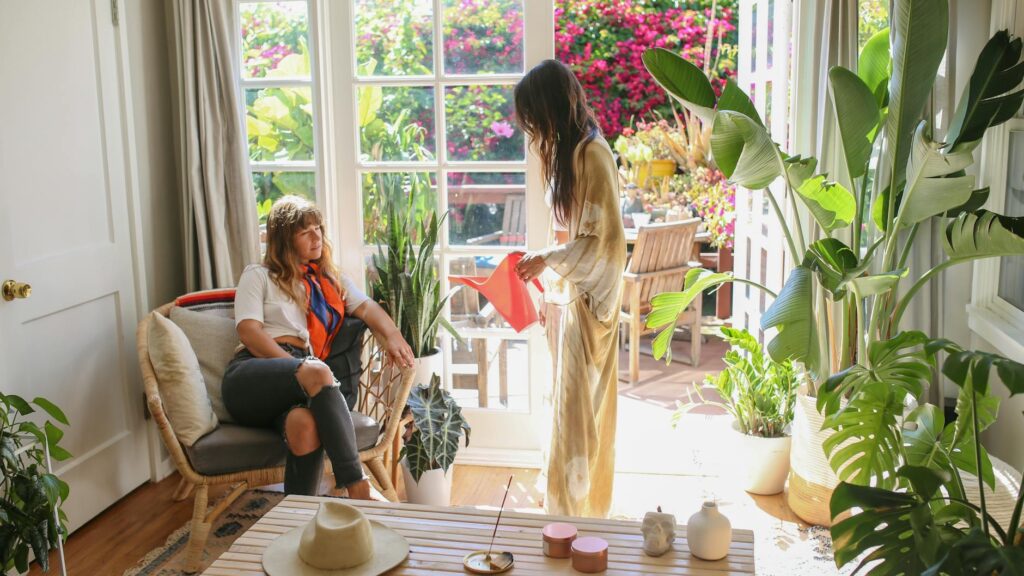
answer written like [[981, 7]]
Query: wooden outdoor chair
[[513, 225], [383, 391], [467, 313], [659, 262]]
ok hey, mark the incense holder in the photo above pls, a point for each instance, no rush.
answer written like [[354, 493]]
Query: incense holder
[[483, 563]]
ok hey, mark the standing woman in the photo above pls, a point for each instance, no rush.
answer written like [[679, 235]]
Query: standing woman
[[289, 372], [588, 260]]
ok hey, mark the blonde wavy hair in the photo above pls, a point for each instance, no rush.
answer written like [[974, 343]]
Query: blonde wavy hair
[[289, 216]]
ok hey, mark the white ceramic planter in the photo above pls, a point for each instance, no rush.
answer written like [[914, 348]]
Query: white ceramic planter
[[427, 366], [811, 479], [433, 489], [765, 462]]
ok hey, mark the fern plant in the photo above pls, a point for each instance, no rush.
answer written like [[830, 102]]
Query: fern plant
[[438, 426]]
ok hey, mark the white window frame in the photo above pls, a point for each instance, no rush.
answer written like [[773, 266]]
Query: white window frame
[[991, 317], [313, 83], [492, 442]]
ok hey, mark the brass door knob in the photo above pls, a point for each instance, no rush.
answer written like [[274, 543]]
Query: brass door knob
[[12, 290]]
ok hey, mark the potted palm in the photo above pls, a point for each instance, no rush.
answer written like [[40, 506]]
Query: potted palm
[[407, 285], [840, 309], [31, 518], [759, 393], [432, 443]]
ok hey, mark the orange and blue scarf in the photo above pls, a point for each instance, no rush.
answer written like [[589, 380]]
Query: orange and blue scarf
[[325, 311]]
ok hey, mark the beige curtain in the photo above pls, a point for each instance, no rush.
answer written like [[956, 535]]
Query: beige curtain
[[221, 234]]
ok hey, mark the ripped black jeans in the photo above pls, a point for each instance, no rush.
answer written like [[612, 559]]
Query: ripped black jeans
[[260, 392]]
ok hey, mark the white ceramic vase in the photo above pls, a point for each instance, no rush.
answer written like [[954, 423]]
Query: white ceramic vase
[[763, 462], [433, 489], [709, 533], [428, 365]]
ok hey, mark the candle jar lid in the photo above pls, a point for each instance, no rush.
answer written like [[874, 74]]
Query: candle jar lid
[[559, 532], [590, 546]]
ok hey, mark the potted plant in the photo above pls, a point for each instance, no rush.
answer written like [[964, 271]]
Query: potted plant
[[839, 312], [759, 393], [431, 446], [31, 518], [406, 282], [951, 535]]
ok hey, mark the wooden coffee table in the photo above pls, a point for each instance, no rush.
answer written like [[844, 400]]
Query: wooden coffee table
[[440, 537]]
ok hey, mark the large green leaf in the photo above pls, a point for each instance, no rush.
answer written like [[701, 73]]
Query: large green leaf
[[900, 363], [439, 425], [864, 286], [989, 98], [868, 427], [835, 263], [735, 99], [667, 306], [983, 233], [799, 169], [792, 313], [743, 150], [933, 184], [893, 528], [873, 66], [919, 32], [831, 204], [977, 553], [857, 116], [924, 446], [682, 80]]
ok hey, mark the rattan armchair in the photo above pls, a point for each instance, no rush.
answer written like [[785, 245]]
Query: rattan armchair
[[383, 391]]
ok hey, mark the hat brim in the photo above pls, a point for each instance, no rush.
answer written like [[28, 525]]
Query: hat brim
[[281, 558]]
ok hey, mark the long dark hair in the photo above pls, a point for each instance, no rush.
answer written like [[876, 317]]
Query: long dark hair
[[552, 109]]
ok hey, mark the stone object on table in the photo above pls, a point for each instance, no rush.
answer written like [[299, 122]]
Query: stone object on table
[[659, 530]]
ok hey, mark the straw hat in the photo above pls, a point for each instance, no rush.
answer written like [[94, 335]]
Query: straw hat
[[338, 541]]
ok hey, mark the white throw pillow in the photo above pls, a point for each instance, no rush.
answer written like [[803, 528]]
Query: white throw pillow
[[214, 340], [179, 380]]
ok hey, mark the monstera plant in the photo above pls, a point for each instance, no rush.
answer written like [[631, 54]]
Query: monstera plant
[[866, 219], [438, 427]]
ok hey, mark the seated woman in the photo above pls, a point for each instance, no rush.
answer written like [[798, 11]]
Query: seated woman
[[288, 313]]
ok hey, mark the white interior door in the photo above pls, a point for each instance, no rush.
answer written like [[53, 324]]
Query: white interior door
[[64, 229]]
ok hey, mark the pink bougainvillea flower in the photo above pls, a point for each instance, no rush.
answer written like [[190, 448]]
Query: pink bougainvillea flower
[[502, 128]]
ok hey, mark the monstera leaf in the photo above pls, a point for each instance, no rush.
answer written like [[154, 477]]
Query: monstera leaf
[[989, 98], [977, 553], [867, 426], [439, 425]]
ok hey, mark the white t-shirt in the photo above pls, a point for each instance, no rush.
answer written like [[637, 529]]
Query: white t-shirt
[[259, 298]]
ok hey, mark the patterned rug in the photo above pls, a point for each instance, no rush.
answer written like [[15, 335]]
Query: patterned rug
[[243, 513]]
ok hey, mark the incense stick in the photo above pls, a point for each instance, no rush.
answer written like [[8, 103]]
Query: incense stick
[[498, 521]]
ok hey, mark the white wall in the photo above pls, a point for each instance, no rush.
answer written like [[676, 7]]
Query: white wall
[[157, 194]]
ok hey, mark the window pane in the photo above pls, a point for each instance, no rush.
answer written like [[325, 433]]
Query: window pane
[[487, 208], [394, 37], [279, 123], [490, 372], [1011, 268], [269, 186], [873, 16], [274, 40], [481, 124], [483, 36], [396, 123], [409, 192]]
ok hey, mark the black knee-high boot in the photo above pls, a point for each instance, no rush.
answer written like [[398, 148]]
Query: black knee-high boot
[[302, 474], [337, 434]]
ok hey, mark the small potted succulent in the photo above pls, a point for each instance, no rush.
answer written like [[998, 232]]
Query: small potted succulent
[[432, 443], [760, 394]]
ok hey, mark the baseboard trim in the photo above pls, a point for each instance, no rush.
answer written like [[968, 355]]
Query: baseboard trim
[[499, 457]]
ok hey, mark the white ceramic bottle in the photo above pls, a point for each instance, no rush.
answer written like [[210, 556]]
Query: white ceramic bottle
[[709, 533]]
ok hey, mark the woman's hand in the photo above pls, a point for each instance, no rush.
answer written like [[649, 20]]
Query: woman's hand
[[530, 266], [398, 350]]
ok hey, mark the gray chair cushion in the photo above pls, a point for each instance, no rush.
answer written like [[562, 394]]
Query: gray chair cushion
[[231, 448]]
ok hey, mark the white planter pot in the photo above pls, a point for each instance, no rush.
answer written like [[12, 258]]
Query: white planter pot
[[765, 462], [427, 366], [811, 479], [433, 489]]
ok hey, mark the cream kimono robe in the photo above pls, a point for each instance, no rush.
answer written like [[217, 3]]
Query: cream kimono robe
[[583, 297]]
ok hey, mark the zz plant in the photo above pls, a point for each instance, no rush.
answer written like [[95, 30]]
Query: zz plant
[[865, 221], [31, 518], [438, 426]]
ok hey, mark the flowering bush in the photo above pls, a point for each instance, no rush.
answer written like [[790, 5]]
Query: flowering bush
[[604, 40], [714, 200]]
